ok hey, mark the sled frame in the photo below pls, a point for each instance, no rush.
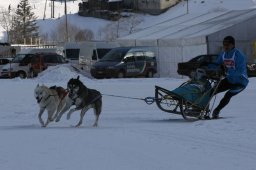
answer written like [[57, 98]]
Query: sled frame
[[170, 102]]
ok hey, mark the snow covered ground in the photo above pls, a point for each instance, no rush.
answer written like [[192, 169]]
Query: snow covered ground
[[131, 135]]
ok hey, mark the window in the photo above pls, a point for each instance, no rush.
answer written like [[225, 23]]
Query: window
[[130, 59], [4, 61], [61, 59], [18, 58], [51, 59], [139, 56], [72, 53], [99, 53], [102, 52], [26, 60]]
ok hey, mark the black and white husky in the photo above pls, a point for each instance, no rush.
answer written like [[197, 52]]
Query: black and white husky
[[83, 98], [51, 99]]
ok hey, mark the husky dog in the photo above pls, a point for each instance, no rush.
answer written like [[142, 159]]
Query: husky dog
[[51, 99], [83, 98]]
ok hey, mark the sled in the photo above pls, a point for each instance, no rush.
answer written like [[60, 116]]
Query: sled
[[187, 101]]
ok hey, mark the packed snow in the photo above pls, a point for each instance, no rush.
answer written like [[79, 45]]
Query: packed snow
[[131, 134]]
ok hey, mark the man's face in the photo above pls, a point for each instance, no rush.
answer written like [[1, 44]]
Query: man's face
[[227, 46]]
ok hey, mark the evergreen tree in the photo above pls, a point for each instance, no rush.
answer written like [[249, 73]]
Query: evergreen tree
[[24, 26]]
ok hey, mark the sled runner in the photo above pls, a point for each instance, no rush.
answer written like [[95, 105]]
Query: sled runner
[[192, 98]]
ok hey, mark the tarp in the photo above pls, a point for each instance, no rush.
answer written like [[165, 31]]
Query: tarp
[[192, 92], [181, 38]]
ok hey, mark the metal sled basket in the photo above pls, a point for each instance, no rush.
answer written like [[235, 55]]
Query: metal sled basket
[[193, 107]]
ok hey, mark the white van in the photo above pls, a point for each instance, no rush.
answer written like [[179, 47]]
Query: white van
[[87, 52]]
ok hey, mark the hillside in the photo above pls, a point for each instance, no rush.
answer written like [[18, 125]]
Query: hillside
[[195, 6]]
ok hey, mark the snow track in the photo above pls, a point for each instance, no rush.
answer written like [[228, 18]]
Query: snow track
[[131, 134]]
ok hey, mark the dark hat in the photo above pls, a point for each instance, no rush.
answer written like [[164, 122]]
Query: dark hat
[[229, 39]]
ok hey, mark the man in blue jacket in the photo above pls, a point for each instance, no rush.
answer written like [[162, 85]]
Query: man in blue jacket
[[236, 78]]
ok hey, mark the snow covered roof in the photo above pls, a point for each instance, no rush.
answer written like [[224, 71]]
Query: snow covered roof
[[192, 25]]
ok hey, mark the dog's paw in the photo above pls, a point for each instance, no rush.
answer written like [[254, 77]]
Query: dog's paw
[[78, 124]]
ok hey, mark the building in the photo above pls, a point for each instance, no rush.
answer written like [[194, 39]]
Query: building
[[184, 37], [106, 9], [102, 8], [156, 7]]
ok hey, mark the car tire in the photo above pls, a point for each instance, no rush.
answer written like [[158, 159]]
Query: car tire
[[22, 74], [121, 74], [33, 74], [150, 74]]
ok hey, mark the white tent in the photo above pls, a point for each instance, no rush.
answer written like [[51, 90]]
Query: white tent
[[184, 37]]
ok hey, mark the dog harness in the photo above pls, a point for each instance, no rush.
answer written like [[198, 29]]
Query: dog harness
[[87, 102], [64, 95], [47, 99]]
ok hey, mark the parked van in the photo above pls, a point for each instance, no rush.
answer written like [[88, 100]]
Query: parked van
[[126, 62], [87, 52], [18, 67]]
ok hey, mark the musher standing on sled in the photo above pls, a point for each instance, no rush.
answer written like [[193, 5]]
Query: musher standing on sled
[[236, 78]]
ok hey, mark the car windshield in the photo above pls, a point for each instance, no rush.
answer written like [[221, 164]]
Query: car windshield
[[61, 59], [18, 58], [205, 58], [197, 59], [115, 54]]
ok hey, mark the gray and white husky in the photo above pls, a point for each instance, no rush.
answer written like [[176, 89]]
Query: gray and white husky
[[51, 99], [83, 98]]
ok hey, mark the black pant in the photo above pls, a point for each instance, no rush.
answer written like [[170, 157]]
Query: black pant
[[233, 89]]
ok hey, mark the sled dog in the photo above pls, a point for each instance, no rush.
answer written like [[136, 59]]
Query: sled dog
[[50, 99], [83, 98]]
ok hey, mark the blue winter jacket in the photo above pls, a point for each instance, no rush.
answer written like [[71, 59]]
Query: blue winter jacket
[[235, 62]]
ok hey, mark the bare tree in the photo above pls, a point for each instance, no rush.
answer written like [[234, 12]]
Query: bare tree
[[84, 35], [123, 26], [6, 20], [75, 33], [110, 31], [130, 24]]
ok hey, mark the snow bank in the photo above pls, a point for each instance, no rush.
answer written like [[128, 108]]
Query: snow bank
[[59, 73]]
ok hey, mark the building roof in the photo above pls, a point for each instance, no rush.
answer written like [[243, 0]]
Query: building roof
[[192, 25]]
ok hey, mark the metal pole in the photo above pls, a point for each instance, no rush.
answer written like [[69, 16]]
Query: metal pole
[[66, 19], [45, 9], [187, 6], [53, 8], [117, 30]]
